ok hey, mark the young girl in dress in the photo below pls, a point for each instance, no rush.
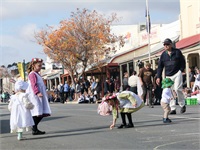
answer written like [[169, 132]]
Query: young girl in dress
[[126, 103], [37, 94], [20, 106]]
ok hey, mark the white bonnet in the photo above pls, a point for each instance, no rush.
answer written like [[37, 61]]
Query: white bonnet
[[21, 85]]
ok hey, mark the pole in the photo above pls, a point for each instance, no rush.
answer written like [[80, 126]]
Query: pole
[[24, 70], [148, 30]]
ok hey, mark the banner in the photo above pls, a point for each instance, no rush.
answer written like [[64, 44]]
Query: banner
[[20, 69]]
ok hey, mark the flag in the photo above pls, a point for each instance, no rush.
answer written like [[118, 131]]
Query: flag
[[148, 22], [20, 69]]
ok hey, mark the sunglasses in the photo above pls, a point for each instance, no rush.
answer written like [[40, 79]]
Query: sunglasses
[[166, 44]]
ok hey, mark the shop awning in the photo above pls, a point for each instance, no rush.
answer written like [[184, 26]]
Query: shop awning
[[189, 41], [53, 75]]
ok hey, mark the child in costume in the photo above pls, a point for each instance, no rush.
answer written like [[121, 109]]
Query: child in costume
[[167, 96], [126, 103], [37, 94], [20, 106]]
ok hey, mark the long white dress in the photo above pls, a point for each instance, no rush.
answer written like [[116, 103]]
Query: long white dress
[[20, 118], [41, 104]]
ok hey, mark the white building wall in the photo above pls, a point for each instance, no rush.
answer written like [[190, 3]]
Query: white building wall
[[189, 17], [170, 30]]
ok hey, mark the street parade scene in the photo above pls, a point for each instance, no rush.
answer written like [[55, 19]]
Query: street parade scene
[[100, 75]]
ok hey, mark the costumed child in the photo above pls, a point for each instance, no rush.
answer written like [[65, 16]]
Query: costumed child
[[167, 96], [37, 94], [20, 106], [126, 103]]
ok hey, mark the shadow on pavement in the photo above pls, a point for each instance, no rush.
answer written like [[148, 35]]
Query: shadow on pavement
[[53, 118], [5, 126], [70, 132]]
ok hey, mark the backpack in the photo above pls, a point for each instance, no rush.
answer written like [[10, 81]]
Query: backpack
[[104, 109]]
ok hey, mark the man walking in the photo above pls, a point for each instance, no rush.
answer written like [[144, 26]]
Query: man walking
[[146, 76], [173, 61]]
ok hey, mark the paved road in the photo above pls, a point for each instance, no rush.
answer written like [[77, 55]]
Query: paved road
[[77, 126]]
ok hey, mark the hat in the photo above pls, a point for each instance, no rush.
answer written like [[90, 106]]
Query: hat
[[109, 97], [167, 41], [167, 82], [37, 60], [21, 85]]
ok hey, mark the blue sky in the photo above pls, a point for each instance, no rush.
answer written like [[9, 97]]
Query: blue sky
[[20, 19]]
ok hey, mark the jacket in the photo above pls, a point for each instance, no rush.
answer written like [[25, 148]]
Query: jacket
[[172, 63]]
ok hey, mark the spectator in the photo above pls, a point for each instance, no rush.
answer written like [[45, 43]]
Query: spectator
[[87, 85], [197, 79], [93, 84], [111, 85], [191, 76], [117, 84], [72, 91], [97, 88], [132, 82], [106, 87], [61, 92], [125, 82], [78, 90], [3, 96], [66, 91], [82, 87], [146, 76], [157, 90]]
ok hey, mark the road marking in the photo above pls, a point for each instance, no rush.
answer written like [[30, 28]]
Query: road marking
[[159, 146]]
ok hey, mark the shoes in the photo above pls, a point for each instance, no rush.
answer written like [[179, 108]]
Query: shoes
[[38, 132], [151, 106], [126, 126], [21, 138], [129, 126], [169, 119], [183, 109], [166, 120], [173, 112], [121, 126]]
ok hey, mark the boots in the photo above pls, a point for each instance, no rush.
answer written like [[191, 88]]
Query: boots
[[35, 130], [38, 132], [19, 136], [123, 121], [130, 125]]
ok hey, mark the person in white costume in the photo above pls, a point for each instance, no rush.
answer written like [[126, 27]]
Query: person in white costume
[[37, 94], [19, 107]]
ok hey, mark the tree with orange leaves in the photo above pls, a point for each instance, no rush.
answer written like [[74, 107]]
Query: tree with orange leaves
[[79, 41]]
